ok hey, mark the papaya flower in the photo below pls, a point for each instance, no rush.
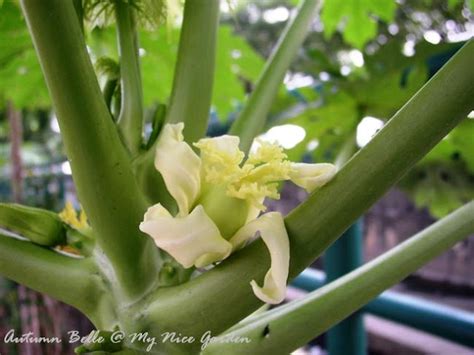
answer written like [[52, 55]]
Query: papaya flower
[[220, 196]]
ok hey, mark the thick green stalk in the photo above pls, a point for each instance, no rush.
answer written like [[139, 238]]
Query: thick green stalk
[[222, 296], [295, 324], [71, 280], [130, 120], [101, 166], [253, 116], [194, 74], [192, 90]]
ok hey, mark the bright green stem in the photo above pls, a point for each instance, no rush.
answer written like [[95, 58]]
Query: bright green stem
[[71, 280], [295, 324], [252, 118], [222, 296], [192, 90], [130, 120], [101, 166], [194, 75]]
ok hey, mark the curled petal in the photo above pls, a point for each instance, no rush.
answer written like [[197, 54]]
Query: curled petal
[[273, 232], [311, 176], [154, 212], [179, 166], [192, 240]]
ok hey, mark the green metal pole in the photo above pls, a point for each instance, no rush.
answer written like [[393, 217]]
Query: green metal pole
[[348, 337], [444, 321]]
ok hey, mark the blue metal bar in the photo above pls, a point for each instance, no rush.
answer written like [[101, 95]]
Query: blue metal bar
[[348, 336], [444, 321]]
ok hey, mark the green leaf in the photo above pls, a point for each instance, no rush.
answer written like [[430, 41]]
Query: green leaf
[[443, 181], [463, 142], [236, 64], [440, 187], [21, 80], [329, 124], [452, 4], [149, 13], [358, 15]]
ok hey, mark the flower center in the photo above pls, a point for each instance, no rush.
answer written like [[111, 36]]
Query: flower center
[[256, 179], [228, 213]]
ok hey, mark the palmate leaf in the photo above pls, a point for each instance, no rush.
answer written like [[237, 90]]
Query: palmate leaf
[[21, 80], [444, 179], [388, 80], [360, 18], [149, 13], [392, 78], [236, 64], [330, 124]]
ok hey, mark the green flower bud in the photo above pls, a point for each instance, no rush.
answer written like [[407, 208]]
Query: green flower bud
[[40, 226]]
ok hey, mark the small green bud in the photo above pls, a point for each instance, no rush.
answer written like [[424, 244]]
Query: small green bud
[[172, 273], [40, 226]]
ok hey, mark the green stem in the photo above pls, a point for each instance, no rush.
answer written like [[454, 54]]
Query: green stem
[[70, 280], [130, 119], [108, 92], [295, 324], [101, 166], [252, 118], [194, 75], [222, 296], [192, 90]]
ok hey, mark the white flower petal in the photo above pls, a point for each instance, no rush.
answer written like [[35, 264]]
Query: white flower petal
[[273, 232], [192, 240], [154, 212], [311, 176], [179, 166]]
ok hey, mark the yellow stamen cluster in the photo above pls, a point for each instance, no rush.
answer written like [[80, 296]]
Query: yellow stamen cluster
[[220, 159], [69, 216], [256, 179]]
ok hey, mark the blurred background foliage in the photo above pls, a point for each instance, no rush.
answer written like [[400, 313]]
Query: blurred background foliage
[[361, 61]]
